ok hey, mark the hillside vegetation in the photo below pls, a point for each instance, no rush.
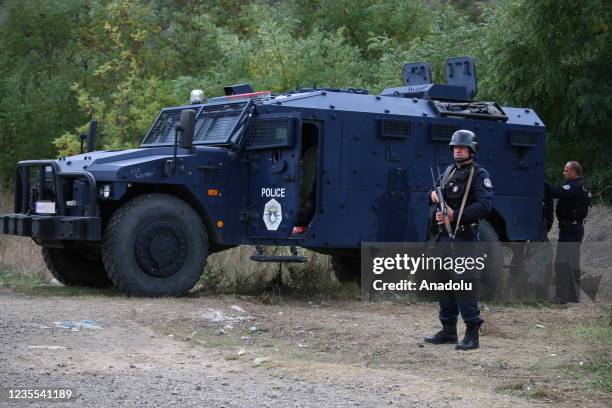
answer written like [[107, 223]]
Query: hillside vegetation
[[63, 62]]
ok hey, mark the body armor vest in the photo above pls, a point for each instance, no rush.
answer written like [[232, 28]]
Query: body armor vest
[[455, 188]]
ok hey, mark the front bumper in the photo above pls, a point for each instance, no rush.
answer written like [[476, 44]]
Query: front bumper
[[53, 227], [59, 226]]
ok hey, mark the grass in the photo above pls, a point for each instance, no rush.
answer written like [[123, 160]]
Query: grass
[[38, 284], [273, 292], [22, 255], [599, 336], [11, 279], [540, 392], [527, 305], [313, 281], [230, 273], [601, 370], [408, 298], [513, 386], [70, 291], [593, 365]]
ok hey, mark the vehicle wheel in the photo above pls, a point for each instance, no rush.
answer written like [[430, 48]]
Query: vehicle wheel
[[76, 267], [155, 245], [347, 269], [493, 279]]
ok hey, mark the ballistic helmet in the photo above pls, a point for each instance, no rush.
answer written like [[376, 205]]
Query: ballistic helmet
[[465, 138]]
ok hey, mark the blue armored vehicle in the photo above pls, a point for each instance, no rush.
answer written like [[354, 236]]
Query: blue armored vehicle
[[323, 169]]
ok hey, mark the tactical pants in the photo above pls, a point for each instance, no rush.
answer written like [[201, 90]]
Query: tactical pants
[[451, 302], [567, 263]]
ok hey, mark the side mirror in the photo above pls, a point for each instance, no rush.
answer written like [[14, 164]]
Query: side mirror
[[187, 125]]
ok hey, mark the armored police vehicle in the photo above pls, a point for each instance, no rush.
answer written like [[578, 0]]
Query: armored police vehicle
[[323, 169]]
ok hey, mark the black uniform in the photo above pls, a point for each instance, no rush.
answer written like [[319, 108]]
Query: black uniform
[[572, 208], [478, 205]]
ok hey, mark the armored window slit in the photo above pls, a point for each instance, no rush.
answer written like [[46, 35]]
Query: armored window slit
[[396, 129], [522, 139], [442, 133]]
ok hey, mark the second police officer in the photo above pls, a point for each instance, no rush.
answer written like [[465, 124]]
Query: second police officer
[[572, 208], [468, 192]]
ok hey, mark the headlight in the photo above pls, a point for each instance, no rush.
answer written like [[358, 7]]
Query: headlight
[[105, 191]]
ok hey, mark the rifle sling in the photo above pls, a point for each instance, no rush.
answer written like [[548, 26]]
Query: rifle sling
[[448, 175], [465, 195]]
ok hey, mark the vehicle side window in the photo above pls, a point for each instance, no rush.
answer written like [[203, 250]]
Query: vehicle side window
[[270, 132]]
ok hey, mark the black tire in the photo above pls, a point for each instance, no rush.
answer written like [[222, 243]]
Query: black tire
[[494, 280], [155, 245], [347, 269], [76, 267]]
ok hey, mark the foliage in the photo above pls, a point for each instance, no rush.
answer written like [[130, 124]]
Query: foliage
[[451, 34], [557, 61], [362, 20], [37, 67], [63, 62]]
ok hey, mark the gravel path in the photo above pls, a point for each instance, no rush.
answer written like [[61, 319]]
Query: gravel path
[[206, 352]]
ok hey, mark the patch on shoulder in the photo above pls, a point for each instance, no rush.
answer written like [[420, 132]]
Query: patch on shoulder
[[487, 183], [567, 187]]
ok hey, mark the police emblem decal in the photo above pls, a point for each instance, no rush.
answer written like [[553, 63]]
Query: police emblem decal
[[487, 183], [272, 215], [567, 187]]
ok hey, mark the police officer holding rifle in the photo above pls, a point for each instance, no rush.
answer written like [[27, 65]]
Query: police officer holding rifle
[[463, 196]]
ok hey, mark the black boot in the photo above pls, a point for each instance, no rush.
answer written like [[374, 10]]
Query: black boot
[[447, 335], [470, 341]]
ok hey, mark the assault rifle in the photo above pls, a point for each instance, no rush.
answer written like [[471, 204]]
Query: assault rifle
[[442, 205]]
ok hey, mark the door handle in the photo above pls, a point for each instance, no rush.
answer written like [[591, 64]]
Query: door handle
[[279, 167]]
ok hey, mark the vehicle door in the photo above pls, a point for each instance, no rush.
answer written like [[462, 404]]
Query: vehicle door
[[273, 149]]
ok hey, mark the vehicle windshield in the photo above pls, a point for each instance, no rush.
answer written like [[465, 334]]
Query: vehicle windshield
[[215, 124]]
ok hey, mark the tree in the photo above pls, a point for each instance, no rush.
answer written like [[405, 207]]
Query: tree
[[125, 91], [557, 61], [39, 60], [451, 35], [362, 20], [63, 62]]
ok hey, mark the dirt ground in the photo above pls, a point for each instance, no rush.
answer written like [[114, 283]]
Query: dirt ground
[[258, 351], [228, 351]]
